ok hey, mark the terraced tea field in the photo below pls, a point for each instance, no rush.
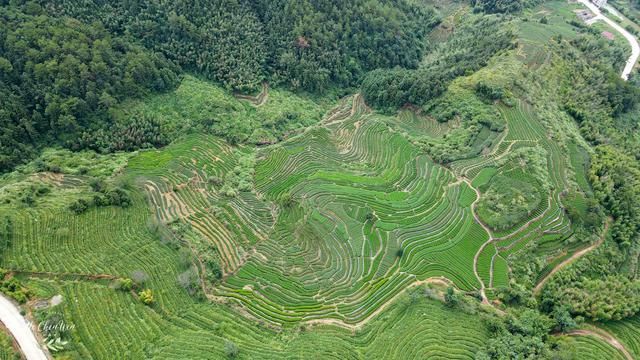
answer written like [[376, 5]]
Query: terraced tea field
[[198, 199], [349, 214], [627, 332], [329, 230], [184, 328], [343, 218], [591, 348]]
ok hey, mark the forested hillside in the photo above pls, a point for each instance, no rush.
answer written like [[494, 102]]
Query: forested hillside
[[63, 73]]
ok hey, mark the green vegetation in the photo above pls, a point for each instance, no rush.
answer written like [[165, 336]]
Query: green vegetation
[[588, 347], [66, 65], [507, 202], [60, 77], [200, 106], [7, 351], [627, 332], [468, 49], [267, 179], [13, 288]]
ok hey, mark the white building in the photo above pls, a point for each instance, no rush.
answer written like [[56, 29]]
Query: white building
[[599, 3]]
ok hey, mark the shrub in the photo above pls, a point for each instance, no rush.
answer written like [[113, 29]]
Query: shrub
[[79, 206], [287, 200], [189, 280], [231, 349], [146, 296], [124, 284], [489, 92], [451, 298]]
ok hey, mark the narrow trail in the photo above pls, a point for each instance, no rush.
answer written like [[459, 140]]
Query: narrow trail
[[604, 336], [259, 99], [64, 276], [635, 46], [21, 330], [440, 280], [483, 294], [573, 258]]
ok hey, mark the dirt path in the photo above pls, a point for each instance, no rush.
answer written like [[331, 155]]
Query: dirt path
[[485, 300], [573, 258], [259, 99], [21, 330], [605, 336], [440, 280], [64, 276], [635, 47]]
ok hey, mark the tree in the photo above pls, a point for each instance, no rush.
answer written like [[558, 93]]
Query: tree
[[451, 298], [563, 319]]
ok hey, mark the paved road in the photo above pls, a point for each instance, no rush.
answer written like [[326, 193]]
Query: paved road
[[635, 47], [20, 329]]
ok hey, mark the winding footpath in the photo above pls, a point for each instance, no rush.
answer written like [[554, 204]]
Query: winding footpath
[[21, 330], [635, 46], [573, 258], [438, 280], [483, 293], [604, 336]]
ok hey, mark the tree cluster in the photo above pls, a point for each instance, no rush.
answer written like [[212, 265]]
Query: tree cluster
[[104, 195], [520, 335], [139, 132], [500, 6]]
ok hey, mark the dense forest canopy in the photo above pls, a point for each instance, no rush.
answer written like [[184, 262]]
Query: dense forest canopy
[[60, 76], [502, 6], [62, 73], [305, 44]]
